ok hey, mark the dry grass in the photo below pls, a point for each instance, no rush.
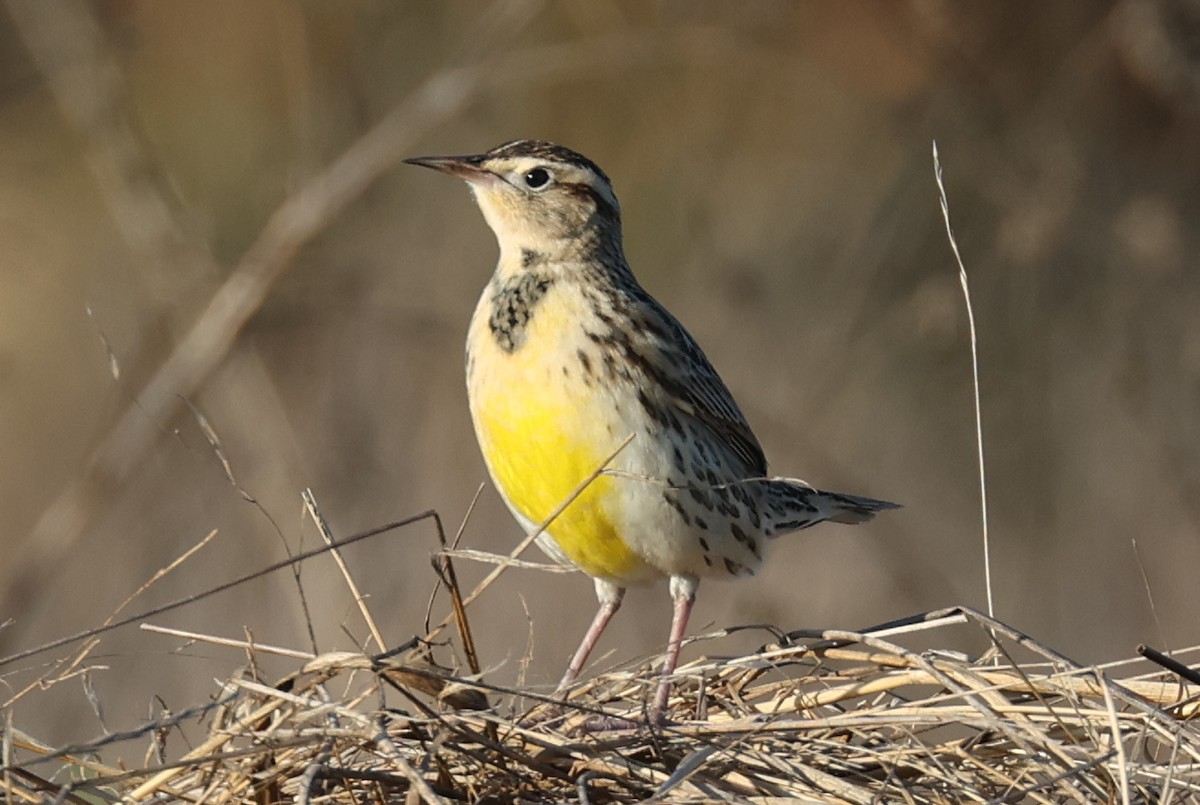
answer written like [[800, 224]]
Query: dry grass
[[828, 717]]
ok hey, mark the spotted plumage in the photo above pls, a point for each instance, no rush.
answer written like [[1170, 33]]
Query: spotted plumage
[[567, 357], [512, 305]]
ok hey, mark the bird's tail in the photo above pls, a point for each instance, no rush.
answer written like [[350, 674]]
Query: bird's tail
[[792, 504], [854, 508]]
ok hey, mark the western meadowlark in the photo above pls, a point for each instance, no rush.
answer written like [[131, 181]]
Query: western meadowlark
[[568, 357]]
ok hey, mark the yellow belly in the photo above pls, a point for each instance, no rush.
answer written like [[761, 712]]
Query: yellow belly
[[542, 434]]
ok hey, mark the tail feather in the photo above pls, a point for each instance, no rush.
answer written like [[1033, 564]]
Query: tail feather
[[792, 505], [855, 509]]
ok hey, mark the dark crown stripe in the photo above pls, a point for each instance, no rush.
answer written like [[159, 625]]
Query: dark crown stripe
[[540, 149]]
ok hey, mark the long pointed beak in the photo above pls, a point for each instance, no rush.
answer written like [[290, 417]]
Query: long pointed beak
[[467, 167]]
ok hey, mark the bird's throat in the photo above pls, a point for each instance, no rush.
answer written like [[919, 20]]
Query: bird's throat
[[513, 306]]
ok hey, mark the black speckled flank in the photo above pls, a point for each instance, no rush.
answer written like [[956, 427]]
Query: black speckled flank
[[673, 501], [512, 308]]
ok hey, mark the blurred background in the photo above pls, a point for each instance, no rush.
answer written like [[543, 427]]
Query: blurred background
[[202, 211]]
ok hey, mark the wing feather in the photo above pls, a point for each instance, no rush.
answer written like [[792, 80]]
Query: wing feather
[[690, 383]]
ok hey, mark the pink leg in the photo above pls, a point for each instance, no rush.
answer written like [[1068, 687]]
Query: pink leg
[[683, 594], [610, 601]]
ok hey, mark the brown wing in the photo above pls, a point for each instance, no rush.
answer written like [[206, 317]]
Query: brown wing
[[690, 382]]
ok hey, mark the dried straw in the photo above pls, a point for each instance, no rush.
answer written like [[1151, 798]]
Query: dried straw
[[816, 716]]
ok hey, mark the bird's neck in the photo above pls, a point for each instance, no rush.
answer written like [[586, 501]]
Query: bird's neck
[[548, 257]]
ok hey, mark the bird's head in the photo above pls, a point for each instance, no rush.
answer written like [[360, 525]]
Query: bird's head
[[539, 197]]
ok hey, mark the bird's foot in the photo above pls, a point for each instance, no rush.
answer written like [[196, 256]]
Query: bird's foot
[[542, 716], [600, 724], [556, 716]]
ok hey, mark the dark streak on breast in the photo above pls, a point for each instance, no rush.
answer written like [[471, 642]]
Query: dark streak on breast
[[513, 306]]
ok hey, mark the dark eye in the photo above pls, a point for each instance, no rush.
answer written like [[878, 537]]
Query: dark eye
[[537, 178]]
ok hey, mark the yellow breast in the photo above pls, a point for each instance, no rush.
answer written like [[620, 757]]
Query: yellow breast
[[543, 430]]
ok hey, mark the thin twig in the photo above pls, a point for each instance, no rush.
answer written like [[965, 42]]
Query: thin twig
[[462, 527], [962, 278], [191, 599], [1170, 663], [1137, 555], [444, 567], [1118, 741], [489, 558], [418, 782], [197, 637], [57, 674], [179, 560], [314, 511]]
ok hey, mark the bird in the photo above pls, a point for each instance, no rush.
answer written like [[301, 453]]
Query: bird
[[570, 360]]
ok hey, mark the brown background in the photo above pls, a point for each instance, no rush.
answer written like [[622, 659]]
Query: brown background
[[773, 162]]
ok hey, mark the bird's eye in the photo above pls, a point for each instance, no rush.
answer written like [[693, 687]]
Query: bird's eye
[[537, 178]]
